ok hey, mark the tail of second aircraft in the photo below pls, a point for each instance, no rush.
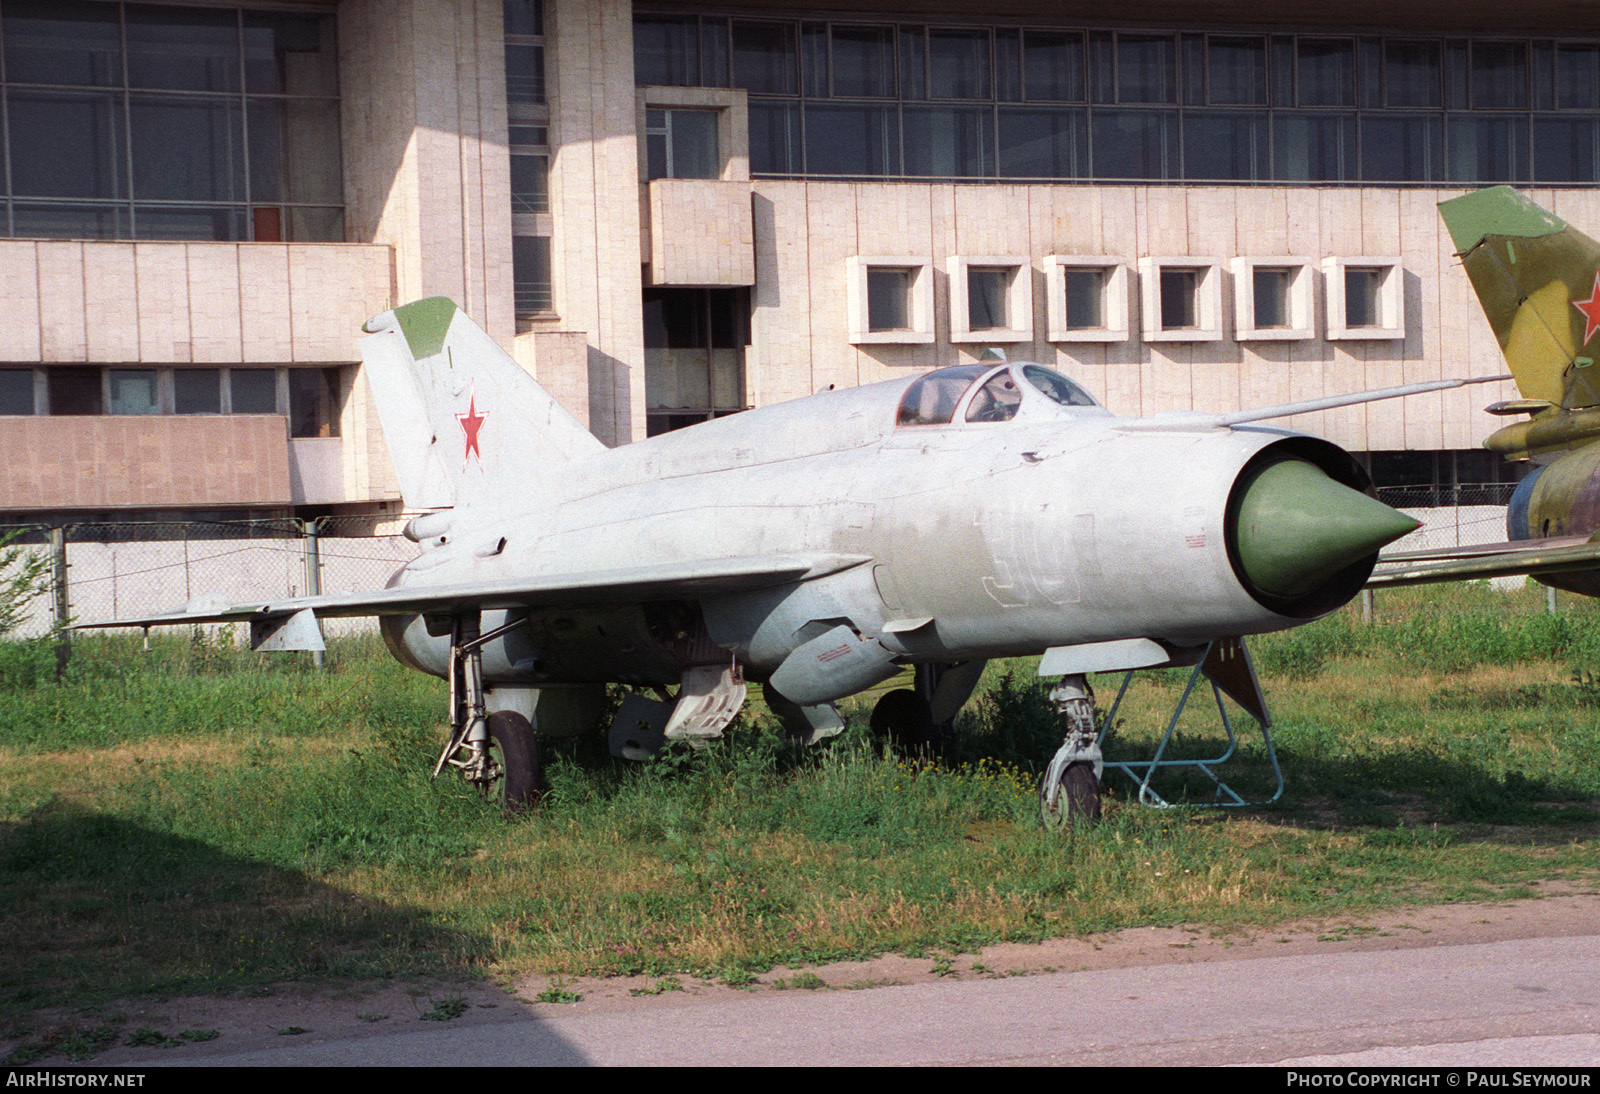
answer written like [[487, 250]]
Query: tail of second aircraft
[[465, 424], [1538, 280]]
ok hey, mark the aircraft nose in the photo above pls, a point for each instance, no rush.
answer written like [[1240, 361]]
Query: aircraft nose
[[1296, 528]]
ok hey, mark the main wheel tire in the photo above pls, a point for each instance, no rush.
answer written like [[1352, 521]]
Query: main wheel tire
[[1076, 800], [905, 718], [517, 753]]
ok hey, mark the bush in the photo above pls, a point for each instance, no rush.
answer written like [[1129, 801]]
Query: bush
[[24, 577]]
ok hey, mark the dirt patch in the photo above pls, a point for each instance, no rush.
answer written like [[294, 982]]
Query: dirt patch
[[250, 1022]]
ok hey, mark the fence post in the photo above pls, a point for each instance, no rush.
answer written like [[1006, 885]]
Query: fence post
[[308, 532], [1366, 606], [58, 590], [1550, 599]]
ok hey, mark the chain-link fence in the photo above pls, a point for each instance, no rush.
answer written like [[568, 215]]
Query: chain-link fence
[[1451, 516], [123, 570]]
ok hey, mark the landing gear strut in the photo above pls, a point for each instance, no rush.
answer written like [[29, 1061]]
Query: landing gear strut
[[1069, 790], [496, 752]]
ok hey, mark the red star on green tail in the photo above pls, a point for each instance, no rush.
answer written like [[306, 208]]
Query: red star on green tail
[[1591, 310], [471, 422]]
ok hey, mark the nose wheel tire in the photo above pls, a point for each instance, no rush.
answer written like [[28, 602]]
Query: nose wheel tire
[[1074, 798], [516, 753]]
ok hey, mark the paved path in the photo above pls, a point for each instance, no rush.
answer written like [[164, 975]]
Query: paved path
[[1533, 1002]]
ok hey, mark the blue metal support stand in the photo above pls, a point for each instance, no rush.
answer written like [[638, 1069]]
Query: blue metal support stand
[[1227, 668]]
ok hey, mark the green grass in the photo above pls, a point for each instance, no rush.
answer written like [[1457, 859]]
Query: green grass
[[199, 819]]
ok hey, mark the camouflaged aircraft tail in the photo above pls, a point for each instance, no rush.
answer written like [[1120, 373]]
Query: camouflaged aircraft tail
[[465, 424], [1538, 280]]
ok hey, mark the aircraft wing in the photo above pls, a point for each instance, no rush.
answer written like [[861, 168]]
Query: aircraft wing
[[1532, 557], [633, 583]]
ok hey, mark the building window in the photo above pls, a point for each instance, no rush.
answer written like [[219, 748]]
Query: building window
[[991, 299], [316, 395], [694, 342], [682, 144], [530, 170], [138, 121], [316, 400], [1272, 299], [1179, 308], [1180, 300], [528, 131], [132, 391], [75, 391], [988, 290], [1364, 298], [252, 391], [16, 391], [889, 299], [530, 274], [883, 98], [197, 391], [1088, 299]]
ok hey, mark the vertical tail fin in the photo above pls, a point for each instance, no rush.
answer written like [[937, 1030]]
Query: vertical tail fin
[[1538, 280], [464, 423]]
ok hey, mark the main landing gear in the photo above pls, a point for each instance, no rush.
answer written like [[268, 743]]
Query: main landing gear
[[496, 752], [918, 718]]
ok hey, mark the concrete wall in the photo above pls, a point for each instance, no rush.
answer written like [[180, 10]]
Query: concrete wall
[[180, 303], [199, 461], [805, 232], [595, 204], [700, 233], [422, 84]]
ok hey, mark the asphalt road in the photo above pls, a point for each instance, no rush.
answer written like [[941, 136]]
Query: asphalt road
[[1526, 1002]]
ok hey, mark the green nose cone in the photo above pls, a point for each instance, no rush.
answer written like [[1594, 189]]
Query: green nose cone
[[1297, 528]]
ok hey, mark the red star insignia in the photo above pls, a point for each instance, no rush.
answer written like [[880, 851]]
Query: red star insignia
[[471, 423], [1591, 310]]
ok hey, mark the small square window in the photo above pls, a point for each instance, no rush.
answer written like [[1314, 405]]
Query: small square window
[[1361, 296], [1364, 298], [987, 292], [1179, 306], [1272, 299], [1088, 298], [1180, 300], [991, 299], [1270, 292], [1085, 299], [889, 299]]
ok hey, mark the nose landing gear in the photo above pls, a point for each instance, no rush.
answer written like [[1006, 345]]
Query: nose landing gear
[[1069, 790]]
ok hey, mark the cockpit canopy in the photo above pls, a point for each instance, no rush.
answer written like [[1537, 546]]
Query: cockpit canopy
[[988, 393]]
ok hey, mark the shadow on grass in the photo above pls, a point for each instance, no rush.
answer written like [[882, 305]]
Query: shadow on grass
[[94, 907], [1407, 786]]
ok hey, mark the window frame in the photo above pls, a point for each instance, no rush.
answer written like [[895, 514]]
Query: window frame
[[1390, 299], [1207, 299], [1298, 300], [1113, 298], [1019, 299], [919, 299]]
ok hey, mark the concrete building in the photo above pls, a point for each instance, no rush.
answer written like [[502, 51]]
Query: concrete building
[[670, 212]]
